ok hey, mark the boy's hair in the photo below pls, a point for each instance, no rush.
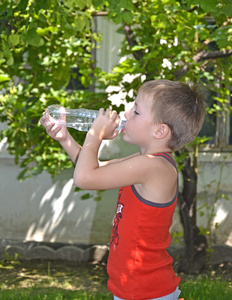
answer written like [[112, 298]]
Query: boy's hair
[[177, 105]]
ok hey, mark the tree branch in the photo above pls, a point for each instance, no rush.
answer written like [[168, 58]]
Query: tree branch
[[138, 55], [203, 55]]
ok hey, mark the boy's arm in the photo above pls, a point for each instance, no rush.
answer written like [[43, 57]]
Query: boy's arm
[[116, 160], [61, 134], [89, 174], [103, 126], [71, 147]]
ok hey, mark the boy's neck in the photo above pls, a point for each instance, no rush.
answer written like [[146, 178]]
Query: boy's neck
[[156, 150]]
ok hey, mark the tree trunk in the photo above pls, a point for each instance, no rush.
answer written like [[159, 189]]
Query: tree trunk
[[195, 256]]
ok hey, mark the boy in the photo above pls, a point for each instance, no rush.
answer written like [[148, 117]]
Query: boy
[[166, 115]]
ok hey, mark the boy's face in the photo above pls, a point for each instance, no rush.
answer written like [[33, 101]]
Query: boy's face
[[140, 123]]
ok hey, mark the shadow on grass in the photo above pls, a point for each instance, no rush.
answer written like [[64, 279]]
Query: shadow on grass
[[58, 280], [59, 274]]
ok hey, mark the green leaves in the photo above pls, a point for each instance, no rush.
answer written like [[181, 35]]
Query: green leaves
[[121, 11], [33, 38], [42, 45], [14, 39], [209, 5], [7, 55], [223, 37], [4, 78], [214, 7]]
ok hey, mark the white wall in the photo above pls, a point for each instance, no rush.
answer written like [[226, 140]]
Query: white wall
[[47, 209], [215, 191]]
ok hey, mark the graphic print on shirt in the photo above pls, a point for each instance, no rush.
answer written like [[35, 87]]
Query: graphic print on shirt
[[118, 216]]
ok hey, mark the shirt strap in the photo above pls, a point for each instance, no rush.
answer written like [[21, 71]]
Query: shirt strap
[[167, 156]]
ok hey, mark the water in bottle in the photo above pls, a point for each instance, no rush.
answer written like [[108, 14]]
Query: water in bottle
[[80, 119]]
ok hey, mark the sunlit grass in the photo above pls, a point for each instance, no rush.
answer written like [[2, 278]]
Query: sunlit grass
[[192, 289], [50, 294], [57, 280], [206, 288]]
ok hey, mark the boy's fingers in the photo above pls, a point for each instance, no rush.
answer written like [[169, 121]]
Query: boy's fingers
[[101, 111], [111, 113], [114, 114], [118, 119], [42, 120], [49, 127], [116, 132], [62, 114], [55, 129], [108, 112], [46, 115]]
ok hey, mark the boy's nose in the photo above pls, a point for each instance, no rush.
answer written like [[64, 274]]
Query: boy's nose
[[126, 114]]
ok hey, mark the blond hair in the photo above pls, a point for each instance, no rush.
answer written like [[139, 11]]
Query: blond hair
[[177, 105]]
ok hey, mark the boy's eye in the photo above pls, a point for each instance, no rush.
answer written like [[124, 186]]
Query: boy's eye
[[136, 112]]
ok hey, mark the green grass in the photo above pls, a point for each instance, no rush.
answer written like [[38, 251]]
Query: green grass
[[206, 287], [50, 294], [57, 280], [192, 289]]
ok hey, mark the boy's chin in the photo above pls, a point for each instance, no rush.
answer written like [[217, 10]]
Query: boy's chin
[[126, 139]]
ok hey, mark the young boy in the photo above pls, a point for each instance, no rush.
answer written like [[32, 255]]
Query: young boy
[[166, 115]]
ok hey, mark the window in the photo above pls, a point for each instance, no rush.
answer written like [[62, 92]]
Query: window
[[218, 122]]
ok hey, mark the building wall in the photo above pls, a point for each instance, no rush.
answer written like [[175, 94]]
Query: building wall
[[215, 194], [48, 209]]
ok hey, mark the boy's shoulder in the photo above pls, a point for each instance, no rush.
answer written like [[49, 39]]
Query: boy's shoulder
[[158, 178], [158, 163], [159, 158]]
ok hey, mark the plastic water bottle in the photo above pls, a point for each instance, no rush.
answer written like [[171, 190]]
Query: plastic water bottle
[[80, 119]]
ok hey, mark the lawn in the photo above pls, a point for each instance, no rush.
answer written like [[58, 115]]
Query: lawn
[[59, 280]]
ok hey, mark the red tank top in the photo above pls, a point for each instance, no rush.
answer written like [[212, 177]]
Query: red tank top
[[139, 266]]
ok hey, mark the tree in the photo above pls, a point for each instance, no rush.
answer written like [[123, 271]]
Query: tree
[[42, 42], [44, 47]]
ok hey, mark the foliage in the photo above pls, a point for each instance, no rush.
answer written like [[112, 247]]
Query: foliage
[[47, 45], [168, 39], [9, 259]]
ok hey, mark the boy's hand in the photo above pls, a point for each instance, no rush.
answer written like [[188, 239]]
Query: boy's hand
[[105, 124], [56, 131]]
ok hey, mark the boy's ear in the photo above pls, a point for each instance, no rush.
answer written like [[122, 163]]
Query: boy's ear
[[161, 131]]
